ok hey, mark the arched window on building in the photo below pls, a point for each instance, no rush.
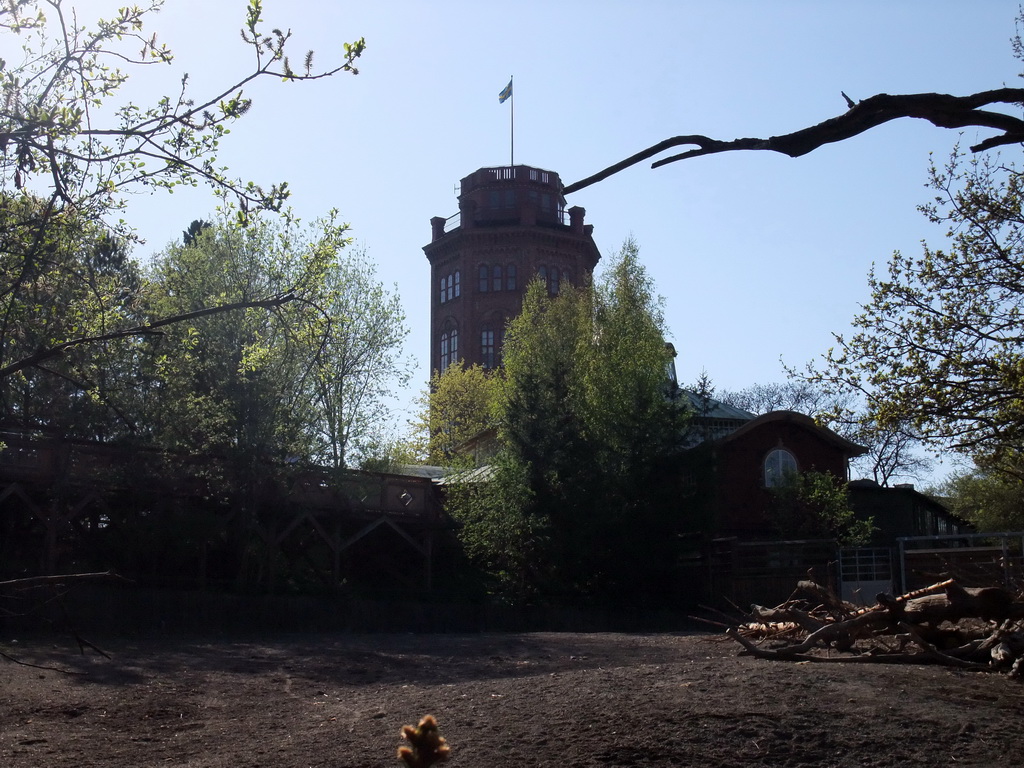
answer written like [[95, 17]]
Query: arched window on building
[[496, 284], [453, 345], [542, 273], [553, 285], [510, 277], [487, 356], [450, 288], [449, 346], [484, 277], [778, 465]]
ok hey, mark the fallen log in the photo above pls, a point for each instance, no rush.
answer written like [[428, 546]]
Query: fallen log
[[945, 623]]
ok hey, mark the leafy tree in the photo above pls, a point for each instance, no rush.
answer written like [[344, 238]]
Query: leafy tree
[[190, 235], [68, 150], [359, 364], [76, 282], [816, 505], [53, 125], [238, 383], [237, 386], [992, 500], [940, 345], [583, 502], [458, 407]]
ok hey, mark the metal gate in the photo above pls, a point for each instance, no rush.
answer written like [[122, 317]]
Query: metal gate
[[864, 572], [973, 559]]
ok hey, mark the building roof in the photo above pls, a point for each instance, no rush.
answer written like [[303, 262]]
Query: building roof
[[803, 420], [712, 418], [709, 408]]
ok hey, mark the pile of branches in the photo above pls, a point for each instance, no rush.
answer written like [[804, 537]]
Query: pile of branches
[[970, 628]]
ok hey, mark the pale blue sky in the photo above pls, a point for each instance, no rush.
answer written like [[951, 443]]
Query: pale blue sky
[[759, 257]]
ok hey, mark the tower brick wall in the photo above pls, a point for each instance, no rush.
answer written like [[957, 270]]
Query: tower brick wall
[[512, 226]]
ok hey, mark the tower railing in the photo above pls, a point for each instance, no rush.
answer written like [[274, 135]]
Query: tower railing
[[452, 222]]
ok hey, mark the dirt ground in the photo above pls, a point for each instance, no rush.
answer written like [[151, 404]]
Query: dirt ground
[[502, 700]]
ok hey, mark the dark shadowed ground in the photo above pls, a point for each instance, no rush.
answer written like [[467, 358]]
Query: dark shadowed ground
[[502, 700]]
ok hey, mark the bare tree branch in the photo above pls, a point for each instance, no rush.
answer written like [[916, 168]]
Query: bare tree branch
[[940, 109]]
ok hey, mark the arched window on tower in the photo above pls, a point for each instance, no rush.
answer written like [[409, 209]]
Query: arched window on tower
[[457, 281], [487, 356], [444, 295], [496, 277], [449, 345], [484, 275], [451, 287], [510, 277], [542, 273], [553, 285]]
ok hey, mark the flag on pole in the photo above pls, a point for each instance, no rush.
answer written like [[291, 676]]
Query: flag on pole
[[506, 92]]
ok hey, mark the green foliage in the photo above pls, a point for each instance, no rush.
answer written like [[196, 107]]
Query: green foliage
[[71, 279], [501, 535], [231, 383], [816, 505], [990, 500], [940, 346], [70, 153], [307, 380], [359, 364], [56, 129], [458, 407], [585, 499]]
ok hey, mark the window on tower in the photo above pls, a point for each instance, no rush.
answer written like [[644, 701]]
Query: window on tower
[[445, 358], [450, 287], [542, 273], [487, 347], [496, 277], [553, 283], [510, 277], [484, 277]]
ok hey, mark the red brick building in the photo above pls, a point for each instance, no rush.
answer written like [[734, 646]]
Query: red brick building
[[512, 226]]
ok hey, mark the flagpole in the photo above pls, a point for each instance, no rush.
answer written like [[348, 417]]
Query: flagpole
[[512, 126], [508, 93]]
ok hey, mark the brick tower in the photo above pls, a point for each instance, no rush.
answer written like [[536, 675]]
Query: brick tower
[[512, 226]]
